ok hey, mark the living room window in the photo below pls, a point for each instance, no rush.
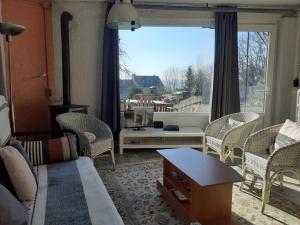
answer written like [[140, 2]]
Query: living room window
[[169, 68]]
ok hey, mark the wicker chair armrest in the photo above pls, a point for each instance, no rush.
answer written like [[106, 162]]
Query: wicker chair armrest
[[259, 141], [239, 134], [85, 146], [100, 129], [288, 157], [214, 127]]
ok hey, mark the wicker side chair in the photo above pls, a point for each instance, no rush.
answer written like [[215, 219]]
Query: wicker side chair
[[233, 138], [81, 123], [270, 168]]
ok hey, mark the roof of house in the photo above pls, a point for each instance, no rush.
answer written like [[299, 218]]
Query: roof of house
[[147, 81]]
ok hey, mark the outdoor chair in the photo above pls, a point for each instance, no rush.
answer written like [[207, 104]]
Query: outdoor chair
[[87, 127], [228, 133]]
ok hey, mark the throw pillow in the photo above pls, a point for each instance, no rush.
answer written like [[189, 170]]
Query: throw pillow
[[11, 210], [19, 173], [228, 125], [90, 136], [288, 134], [234, 123], [19, 147], [49, 151]]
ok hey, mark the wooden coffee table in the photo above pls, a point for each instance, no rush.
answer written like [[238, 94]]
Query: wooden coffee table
[[203, 180]]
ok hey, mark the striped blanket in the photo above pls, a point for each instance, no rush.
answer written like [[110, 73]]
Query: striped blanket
[[72, 193]]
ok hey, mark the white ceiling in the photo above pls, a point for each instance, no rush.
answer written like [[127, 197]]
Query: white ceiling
[[238, 2]]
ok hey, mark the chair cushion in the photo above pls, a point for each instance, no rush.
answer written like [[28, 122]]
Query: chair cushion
[[213, 142], [11, 210], [257, 162], [19, 173], [288, 134], [50, 151]]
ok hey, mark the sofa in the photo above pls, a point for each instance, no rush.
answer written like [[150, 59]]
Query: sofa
[[69, 192]]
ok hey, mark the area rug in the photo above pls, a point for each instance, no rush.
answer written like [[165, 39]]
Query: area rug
[[132, 187]]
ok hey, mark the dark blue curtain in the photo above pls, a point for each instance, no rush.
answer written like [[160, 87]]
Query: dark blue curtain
[[225, 94], [110, 108]]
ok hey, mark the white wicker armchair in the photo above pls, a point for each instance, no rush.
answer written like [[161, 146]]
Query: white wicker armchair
[[81, 123], [270, 168], [233, 138]]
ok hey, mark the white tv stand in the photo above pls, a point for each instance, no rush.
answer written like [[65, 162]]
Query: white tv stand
[[158, 138]]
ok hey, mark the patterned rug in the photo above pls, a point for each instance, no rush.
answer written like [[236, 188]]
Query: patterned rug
[[132, 187]]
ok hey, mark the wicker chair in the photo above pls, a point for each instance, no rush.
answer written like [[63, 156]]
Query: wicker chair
[[233, 138], [81, 123], [270, 168]]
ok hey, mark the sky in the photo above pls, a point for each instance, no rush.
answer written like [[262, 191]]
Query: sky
[[152, 50]]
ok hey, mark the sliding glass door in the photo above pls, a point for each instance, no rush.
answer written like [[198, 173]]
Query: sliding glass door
[[256, 61]]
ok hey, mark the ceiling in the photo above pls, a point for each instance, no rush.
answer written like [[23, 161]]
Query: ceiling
[[237, 2]]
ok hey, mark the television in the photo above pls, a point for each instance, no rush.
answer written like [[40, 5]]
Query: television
[[138, 118]]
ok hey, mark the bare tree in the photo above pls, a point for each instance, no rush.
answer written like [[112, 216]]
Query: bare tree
[[173, 78], [252, 55], [203, 79], [125, 71]]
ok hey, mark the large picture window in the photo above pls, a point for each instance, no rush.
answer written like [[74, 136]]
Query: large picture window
[[169, 68]]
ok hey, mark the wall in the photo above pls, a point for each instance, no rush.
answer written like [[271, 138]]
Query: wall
[[283, 93], [297, 66], [86, 37]]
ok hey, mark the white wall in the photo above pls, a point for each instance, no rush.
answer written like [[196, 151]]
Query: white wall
[[86, 35], [283, 93]]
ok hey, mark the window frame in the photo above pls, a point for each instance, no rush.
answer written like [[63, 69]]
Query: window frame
[[247, 23]]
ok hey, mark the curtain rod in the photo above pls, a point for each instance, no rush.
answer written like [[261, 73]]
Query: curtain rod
[[194, 7]]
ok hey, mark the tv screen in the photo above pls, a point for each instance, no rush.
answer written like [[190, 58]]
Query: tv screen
[[139, 117]]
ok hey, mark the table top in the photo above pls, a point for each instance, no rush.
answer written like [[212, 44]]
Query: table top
[[159, 132], [202, 169]]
